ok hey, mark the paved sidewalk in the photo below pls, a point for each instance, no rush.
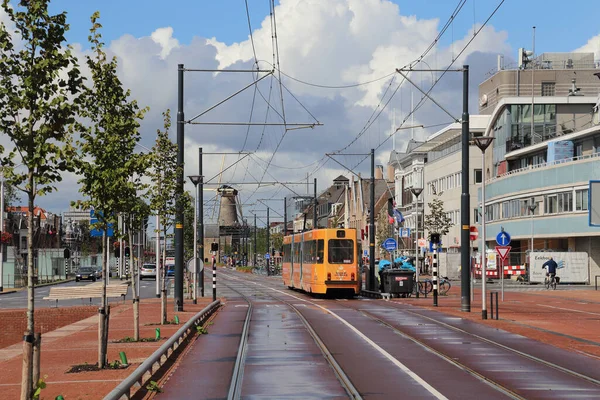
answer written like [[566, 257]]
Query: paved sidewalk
[[568, 318], [78, 344]]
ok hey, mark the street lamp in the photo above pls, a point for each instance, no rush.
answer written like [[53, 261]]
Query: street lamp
[[531, 208], [416, 192], [483, 142], [196, 179]]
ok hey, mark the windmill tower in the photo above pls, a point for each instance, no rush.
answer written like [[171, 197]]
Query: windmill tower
[[229, 225]]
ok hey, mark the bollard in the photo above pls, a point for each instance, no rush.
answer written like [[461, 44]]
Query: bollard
[[157, 334], [492, 295], [123, 358]]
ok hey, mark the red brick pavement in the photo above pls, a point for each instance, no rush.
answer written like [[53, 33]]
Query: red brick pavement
[[78, 344], [566, 318]]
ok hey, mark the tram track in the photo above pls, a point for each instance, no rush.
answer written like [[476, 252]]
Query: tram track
[[514, 393], [235, 390]]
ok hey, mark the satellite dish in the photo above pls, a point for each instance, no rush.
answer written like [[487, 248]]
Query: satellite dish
[[483, 100]]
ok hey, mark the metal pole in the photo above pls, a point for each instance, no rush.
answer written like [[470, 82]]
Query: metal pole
[[465, 212], [435, 274], [532, 86], [268, 243], [214, 271], [195, 278], [285, 216], [502, 277], [254, 241], [201, 220], [2, 231], [178, 196], [157, 257], [471, 271], [315, 213], [417, 244], [372, 225], [482, 250]]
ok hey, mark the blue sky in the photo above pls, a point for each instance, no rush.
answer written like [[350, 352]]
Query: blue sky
[[560, 26]]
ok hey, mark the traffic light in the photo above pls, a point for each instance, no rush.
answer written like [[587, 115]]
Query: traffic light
[[435, 238], [273, 251], [67, 253], [391, 207], [117, 251], [127, 251], [214, 247]]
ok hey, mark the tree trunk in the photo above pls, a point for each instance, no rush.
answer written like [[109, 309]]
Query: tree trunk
[[37, 347], [163, 292], [102, 314], [136, 298], [27, 372]]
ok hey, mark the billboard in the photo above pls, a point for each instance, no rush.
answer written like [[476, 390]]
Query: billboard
[[572, 266]]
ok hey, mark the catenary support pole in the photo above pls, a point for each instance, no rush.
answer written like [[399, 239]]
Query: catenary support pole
[[465, 212], [178, 195], [201, 221], [372, 225], [254, 244], [482, 249], [435, 274], [214, 271], [196, 260], [316, 206], [268, 260], [284, 216]]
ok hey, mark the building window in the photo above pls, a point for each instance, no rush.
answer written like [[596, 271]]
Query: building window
[[478, 175], [581, 200], [578, 150], [550, 204], [475, 216], [548, 88]]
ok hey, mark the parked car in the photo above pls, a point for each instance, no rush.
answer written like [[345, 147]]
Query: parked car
[[86, 273], [148, 271]]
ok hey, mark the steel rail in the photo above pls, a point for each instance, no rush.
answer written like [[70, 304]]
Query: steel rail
[[161, 355], [518, 352], [337, 369], [443, 356]]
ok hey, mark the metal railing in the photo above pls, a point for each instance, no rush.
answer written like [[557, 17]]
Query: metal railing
[[542, 165], [144, 372]]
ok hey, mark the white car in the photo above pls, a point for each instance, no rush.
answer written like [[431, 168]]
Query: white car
[[148, 271]]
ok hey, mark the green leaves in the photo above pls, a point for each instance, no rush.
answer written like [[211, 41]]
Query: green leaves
[[34, 109], [437, 221], [111, 170]]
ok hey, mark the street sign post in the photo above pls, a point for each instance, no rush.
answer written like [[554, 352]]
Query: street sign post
[[503, 253], [503, 238], [390, 244]]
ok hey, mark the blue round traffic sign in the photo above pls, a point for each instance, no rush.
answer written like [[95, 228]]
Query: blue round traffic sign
[[503, 239], [389, 244]]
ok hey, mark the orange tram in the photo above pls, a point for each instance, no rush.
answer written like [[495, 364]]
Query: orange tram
[[322, 261]]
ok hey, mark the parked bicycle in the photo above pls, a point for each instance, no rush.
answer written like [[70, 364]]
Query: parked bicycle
[[551, 281], [426, 286]]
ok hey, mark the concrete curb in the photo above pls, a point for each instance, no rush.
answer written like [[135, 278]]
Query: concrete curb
[[37, 286]]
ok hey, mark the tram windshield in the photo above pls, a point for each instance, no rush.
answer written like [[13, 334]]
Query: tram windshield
[[340, 251]]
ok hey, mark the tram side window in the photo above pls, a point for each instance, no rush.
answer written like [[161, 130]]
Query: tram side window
[[287, 255], [297, 253], [341, 251], [320, 251]]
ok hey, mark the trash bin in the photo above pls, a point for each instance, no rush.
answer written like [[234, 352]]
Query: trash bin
[[398, 282]]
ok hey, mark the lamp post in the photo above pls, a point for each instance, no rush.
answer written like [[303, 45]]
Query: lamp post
[[483, 142], [416, 192], [196, 179], [531, 208]]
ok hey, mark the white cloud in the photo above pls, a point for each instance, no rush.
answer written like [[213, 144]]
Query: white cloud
[[164, 37], [592, 46], [334, 42]]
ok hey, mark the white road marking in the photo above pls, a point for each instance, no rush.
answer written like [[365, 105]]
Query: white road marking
[[570, 309]]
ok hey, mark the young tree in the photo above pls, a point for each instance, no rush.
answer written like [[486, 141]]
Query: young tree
[[163, 173], [38, 80], [437, 221], [108, 165]]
